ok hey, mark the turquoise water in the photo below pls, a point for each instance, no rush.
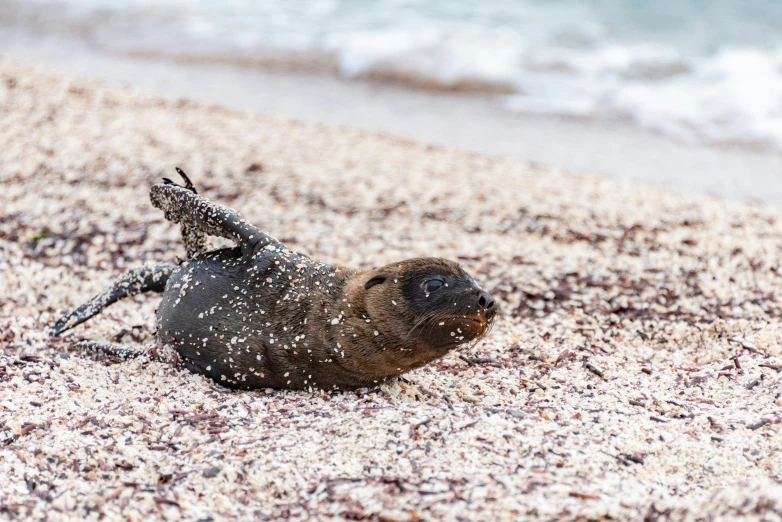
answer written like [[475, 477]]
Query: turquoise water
[[710, 69]]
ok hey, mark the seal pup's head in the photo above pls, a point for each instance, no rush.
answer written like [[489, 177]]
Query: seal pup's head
[[423, 308]]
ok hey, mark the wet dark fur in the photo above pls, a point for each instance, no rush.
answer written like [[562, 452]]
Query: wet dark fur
[[261, 316], [281, 321]]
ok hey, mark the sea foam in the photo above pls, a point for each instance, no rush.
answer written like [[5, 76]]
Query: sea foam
[[682, 67]]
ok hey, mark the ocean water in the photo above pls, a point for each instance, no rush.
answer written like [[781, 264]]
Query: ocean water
[[698, 69]]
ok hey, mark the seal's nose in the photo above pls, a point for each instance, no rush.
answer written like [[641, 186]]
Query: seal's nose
[[486, 302]]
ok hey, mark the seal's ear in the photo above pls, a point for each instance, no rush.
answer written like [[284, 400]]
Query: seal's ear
[[375, 281]]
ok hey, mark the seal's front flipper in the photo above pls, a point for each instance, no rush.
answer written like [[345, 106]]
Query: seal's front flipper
[[196, 241], [183, 206], [121, 352], [145, 279]]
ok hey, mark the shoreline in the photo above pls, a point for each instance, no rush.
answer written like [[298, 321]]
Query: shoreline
[[620, 150], [637, 358]]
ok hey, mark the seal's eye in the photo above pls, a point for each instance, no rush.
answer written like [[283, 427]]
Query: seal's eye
[[433, 285]]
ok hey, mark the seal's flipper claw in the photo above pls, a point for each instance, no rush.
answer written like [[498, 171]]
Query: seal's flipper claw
[[59, 327], [169, 182], [188, 184]]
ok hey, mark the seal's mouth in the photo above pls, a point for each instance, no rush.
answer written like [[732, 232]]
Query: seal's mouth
[[457, 329], [468, 323]]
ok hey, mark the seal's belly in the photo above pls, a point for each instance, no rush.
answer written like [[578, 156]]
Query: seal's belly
[[207, 316]]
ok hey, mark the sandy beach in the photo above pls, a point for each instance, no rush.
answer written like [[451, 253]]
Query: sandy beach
[[635, 370], [619, 149]]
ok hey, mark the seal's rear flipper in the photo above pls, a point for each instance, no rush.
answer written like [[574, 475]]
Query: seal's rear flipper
[[146, 279], [121, 352], [182, 205]]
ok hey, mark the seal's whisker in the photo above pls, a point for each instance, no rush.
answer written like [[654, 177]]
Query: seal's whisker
[[423, 320]]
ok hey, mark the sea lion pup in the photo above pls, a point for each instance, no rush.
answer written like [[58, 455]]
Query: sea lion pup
[[259, 315]]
